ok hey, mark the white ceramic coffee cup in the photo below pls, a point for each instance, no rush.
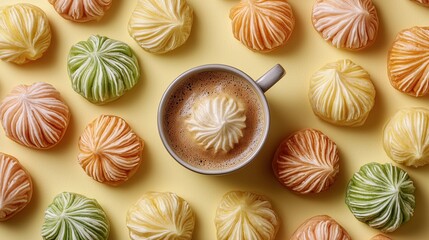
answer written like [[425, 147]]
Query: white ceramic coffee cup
[[261, 85]]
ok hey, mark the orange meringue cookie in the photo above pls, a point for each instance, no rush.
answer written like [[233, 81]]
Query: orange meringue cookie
[[81, 10], [381, 237], [422, 2], [320, 227]]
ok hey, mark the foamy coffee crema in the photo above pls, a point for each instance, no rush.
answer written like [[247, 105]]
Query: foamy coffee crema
[[214, 120]]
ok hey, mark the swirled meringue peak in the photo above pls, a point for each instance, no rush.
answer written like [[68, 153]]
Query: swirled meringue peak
[[81, 10], [382, 196], [217, 122]]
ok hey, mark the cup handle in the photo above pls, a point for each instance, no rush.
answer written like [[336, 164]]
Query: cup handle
[[273, 75]]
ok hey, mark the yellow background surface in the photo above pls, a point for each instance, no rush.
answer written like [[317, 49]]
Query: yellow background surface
[[56, 170]]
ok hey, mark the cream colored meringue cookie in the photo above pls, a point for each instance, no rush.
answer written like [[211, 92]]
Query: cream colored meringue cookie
[[34, 115], [320, 227], [346, 24], [342, 93], [160, 216], [109, 150], [262, 25], [16, 187], [81, 10], [160, 26], [380, 237], [25, 33], [422, 2], [217, 123], [408, 62], [245, 215], [405, 137], [306, 162]]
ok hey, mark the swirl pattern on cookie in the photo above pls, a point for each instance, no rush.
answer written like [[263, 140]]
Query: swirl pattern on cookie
[[320, 227], [347, 24], [262, 25], [16, 187], [102, 69], [408, 61], [380, 237], [160, 26], [217, 123], [34, 115], [109, 150], [25, 33], [245, 215], [161, 216], [81, 10], [74, 216], [342, 93], [306, 162], [382, 196], [406, 135]]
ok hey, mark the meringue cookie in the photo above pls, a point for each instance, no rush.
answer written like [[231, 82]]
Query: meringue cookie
[[161, 216], [408, 63], [35, 115], [102, 69], [262, 25], [380, 237], [217, 123], [422, 2], [25, 33], [16, 187], [81, 10], [109, 150], [160, 26], [74, 216], [320, 227], [342, 93], [306, 162], [245, 215], [382, 196], [405, 137], [346, 24]]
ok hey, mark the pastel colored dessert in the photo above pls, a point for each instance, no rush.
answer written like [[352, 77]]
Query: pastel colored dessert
[[422, 2], [109, 150], [320, 227], [34, 115], [245, 215], [160, 26], [25, 33], [16, 187], [342, 93], [81, 10], [306, 162], [161, 216], [262, 25], [74, 216], [405, 137], [380, 237], [102, 69], [346, 24], [382, 196], [408, 63], [217, 123]]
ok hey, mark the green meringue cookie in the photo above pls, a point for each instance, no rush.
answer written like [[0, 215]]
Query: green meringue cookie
[[72, 216], [381, 195], [102, 69]]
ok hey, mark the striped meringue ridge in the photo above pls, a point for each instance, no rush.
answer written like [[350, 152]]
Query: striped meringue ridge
[[382, 196], [245, 215], [306, 162], [16, 187], [160, 26], [109, 150], [25, 33], [262, 25], [81, 10], [34, 115], [408, 61], [102, 69], [161, 216], [75, 217], [347, 24], [380, 237], [320, 227]]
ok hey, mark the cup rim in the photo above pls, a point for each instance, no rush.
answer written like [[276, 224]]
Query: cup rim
[[204, 68]]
